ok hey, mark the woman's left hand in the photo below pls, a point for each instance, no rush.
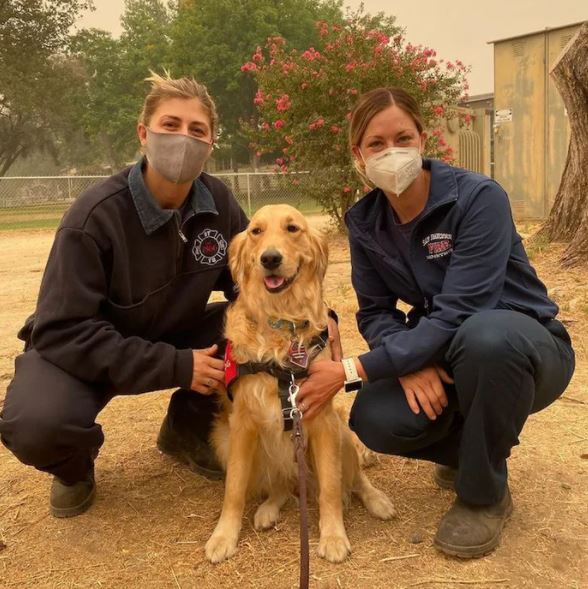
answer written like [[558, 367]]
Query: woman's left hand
[[325, 378]]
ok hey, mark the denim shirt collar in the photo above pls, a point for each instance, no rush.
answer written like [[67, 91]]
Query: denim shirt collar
[[152, 215]]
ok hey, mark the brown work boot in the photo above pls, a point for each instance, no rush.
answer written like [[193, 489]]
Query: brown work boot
[[71, 500], [472, 531], [190, 450], [444, 476]]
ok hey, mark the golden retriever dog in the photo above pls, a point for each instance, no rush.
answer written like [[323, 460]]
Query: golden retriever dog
[[279, 263]]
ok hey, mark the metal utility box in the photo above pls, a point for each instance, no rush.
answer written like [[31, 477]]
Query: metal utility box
[[531, 130]]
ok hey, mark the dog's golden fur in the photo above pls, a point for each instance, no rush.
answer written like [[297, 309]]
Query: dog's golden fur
[[248, 435]]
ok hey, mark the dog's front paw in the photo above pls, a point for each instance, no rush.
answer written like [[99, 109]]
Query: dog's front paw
[[266, 516], [379, 505], [220, 547], [334, 548]]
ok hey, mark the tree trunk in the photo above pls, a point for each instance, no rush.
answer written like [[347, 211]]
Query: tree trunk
[[568, 219]]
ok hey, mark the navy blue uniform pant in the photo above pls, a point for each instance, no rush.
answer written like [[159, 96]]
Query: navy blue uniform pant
[[506, 366], [49, 417]]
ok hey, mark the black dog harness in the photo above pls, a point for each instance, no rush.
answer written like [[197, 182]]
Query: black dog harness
[[294, 369]]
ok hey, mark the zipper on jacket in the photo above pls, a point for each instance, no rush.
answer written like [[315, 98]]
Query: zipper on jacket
[[401, 269], [180, 248], [412, 243]]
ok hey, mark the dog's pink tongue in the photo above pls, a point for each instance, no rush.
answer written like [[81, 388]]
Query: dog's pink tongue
[[274, 281]]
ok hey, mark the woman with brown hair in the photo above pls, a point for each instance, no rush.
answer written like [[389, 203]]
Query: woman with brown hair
[[123, 305], [454, 380]]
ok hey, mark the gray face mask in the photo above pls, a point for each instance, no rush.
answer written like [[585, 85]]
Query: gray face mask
[[178, 158]]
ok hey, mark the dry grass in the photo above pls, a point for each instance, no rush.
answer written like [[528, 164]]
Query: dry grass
[[152, 517]]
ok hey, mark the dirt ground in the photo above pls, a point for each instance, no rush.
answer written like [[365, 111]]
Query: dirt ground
[[152, 517]]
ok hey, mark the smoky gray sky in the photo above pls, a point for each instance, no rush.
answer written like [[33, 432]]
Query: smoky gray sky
[[456, 29]]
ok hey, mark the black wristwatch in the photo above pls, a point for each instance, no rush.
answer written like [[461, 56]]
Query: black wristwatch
[[353, 381]]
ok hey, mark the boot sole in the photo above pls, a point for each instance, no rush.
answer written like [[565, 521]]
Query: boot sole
[[467, 552], [64, 512], [184, 458]]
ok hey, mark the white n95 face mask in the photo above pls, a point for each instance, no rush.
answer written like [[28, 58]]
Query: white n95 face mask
[[394, 169], [178, 158]]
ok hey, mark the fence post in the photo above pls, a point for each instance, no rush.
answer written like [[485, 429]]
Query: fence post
[[69, 189], [248, 197]]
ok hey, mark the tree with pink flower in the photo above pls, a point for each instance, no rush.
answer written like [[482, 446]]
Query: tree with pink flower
[[305, 97]]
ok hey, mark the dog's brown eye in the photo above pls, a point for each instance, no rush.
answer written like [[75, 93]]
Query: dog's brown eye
[[256, 231], [292, 228]]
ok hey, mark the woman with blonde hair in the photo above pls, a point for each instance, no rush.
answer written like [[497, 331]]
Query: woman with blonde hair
[[454, 380], [123, 305]]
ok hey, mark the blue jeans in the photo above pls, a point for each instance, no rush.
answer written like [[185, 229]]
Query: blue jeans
[[506, 366]]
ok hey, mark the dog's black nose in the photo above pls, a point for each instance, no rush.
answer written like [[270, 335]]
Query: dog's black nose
[[271, 259]]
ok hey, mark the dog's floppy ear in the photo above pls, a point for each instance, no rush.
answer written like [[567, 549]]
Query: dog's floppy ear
[[320, 252], [236, 262]]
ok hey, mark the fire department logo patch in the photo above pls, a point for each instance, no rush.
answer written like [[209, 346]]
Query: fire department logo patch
[[438, 245], [210, 247]]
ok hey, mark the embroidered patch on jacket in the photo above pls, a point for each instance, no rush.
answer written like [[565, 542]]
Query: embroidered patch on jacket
[[210, 247], [438, 245]]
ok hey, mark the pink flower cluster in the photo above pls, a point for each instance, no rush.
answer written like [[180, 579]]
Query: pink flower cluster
[[378, 36], [249, 67], [283, 103], [448, 155], [311, 54], [323, 28], [287, 66], [274, 44], [317, 124], [259, 98], [424, 85]]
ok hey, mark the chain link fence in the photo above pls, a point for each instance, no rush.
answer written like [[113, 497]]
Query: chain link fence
[[40, 201]]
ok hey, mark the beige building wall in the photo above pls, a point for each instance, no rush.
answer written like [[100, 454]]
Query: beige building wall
[[531, 131]]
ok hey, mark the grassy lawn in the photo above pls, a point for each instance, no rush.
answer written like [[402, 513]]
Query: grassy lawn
[[49, 216], [33, 217]]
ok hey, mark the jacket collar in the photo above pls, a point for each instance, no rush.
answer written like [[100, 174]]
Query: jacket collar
[[443, 188], [152, 216]]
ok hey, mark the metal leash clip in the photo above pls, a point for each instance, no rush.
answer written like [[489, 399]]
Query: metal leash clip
[[293, 391]]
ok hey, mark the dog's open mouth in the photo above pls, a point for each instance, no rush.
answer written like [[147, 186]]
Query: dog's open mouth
[[274, 283]]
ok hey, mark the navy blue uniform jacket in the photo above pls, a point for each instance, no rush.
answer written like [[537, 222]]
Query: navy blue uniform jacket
[[465, 257]]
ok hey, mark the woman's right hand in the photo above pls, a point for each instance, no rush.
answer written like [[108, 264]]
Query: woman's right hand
[[424, 388], [208, 374]]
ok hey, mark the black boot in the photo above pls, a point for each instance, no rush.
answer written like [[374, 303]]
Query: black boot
[[185, 431], [444, 476], [69, 500], [472, 531]]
